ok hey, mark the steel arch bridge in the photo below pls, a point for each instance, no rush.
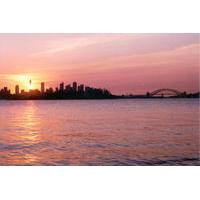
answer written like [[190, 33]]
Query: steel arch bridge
[[165, 91]]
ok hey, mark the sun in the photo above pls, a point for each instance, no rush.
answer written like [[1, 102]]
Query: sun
[[26, 82]]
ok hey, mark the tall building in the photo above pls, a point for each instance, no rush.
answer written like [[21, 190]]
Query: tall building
[[62, 86], [50, 90], [81, 88], [17, 89], [6, 91], [87, 89], [68, 88], [75, 86], [42, 87]]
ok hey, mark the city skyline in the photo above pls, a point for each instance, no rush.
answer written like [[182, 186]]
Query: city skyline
[[80, 91], [122, 63], [62, 86], [63, 91]]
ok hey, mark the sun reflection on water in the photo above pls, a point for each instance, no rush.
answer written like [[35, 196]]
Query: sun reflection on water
[[29, 134], [30, 125]]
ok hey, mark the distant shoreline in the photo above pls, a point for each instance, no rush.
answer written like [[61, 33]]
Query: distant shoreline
[[110, 98]]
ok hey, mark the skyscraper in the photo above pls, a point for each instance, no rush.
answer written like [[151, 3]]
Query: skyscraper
[[42, 87], [17, 89], [68, 88], [62, 87], [81, 88], [75, 86]]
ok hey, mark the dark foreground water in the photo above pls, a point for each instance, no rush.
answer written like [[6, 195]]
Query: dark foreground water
[[100, 132]]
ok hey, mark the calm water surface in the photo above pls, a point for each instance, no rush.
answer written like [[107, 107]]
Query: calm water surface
[[100, 132]]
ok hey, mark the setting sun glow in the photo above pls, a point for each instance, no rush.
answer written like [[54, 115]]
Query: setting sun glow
[[30, 87], [122, 63], [25, 82]]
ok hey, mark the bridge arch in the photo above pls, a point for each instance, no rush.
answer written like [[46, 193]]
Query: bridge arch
[[165, 91]]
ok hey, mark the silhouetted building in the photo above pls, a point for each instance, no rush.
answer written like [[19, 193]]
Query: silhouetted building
[[75, 86], [23, 92], [68, 88], [49, 91], [5, 91], [17, 89], [81, 88], [35, 92], [62, 87], [87, 89], [42, 88]]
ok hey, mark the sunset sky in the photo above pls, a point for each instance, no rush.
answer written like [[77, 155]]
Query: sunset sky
[[122, 63]]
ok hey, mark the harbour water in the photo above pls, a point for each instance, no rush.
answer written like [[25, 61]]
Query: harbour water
[[100, 132]]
